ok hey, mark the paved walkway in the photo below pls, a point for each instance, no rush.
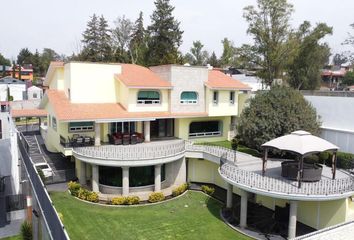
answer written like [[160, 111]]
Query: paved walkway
[[11, 229]]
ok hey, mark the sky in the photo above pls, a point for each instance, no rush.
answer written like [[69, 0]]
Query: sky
[[39, 24]]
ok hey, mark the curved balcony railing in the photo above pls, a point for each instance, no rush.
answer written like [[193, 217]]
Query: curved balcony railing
[[162, 149], [324, 187]]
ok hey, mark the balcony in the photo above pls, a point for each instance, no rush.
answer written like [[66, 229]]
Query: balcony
[[144, 154]]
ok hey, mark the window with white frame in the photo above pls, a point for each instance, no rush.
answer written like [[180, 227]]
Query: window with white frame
[[34, 95], [81, 126], [205, 129], [149, 97], [189, 97], [215, 97], [232, 97], [54, 123]]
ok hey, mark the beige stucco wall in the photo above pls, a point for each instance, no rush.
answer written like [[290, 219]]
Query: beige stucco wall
[[224, 107], [57, 81], [134, 107]]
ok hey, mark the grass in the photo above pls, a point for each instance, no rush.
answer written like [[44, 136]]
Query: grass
[[192, 216], [17, 237], [240, 148]]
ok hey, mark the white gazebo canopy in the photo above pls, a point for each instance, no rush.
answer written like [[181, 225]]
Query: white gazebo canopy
[[300, 142]]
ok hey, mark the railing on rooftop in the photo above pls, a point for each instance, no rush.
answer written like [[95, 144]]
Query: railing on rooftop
[[328, 93], [133, 152]]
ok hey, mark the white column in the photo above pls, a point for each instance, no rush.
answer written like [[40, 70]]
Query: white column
[[157, 178], [82, 178], [147, 131], [97, 134], [243, 210], [229, 195], [95, 178], [125, 181], [292, 220]]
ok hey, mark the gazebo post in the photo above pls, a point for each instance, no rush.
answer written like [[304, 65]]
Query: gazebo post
[[334, 163], [265, 157], [300, 168]]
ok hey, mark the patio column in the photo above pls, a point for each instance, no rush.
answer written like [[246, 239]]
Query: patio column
[[82, 178], [125, 181], [334, 160], [243, 210], [97, 134], [265, 158], [157, 177], [229, 195], [95, 178], [147, 131], [292, 220]]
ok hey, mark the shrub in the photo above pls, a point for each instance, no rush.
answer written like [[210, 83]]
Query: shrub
[[208, 190], [118, 200], [274, 113], [323, 157], [92, 197], [345, 160], [83, 193], [156, 197], [311, 159], [26, 231], [74, 188], [132, 200], [180, 189], [234, 143], [61, 216], [41, 175]]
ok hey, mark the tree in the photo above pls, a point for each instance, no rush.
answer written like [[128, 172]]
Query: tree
[[274, 113], [122, 35], [309, 56], [90, 51], [24, 57], [165, 35], [48, 55], [4, 61], [268, 24], [348, 78], [213, 60], [339, 59], [104, 40], [228, 53], [138, 42], [199, 56]]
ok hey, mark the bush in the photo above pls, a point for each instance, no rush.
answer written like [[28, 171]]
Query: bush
[[345, 160], [92, 197], [26, 231], [180, 189], [132, 200], [234, 143], [83, 193], [74, 188], [323, 157], [118, 201], [311, 159], [208, 190], [156, 197], [274, 113], [61, 216], [41, 175]]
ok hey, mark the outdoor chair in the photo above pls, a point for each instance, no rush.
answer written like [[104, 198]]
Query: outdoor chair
[[126, 139], [133, 139], [139, 137], [117, 139], [110, 139], [87, 141], [79, 142]]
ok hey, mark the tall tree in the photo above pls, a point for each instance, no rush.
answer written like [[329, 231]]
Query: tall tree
[[122, 34], [104, 40], [90, 51], [199, 56], [138, 42], [339, 59], [268, 24], [165, 35], [4, 61], [228, 53], [46, 57], [213, 60], [309, 56], [24, 57]]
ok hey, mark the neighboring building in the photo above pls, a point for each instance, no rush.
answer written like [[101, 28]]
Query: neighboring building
[[34, 93], [11, 87], [25, 72]]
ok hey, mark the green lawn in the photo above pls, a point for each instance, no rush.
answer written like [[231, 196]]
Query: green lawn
[[18, 237], [227, 144], [192, 216]]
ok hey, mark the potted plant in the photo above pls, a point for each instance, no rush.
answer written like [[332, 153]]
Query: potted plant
[[234, 145]]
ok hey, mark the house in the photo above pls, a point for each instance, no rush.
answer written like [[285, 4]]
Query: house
[[13, 88], [24, 72], [34, 92]]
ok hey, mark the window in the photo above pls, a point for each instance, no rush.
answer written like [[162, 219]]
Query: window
[[189, 97], [205, 129], [34, 95], [54, 123], [123, 127], [148, 97], [232, 97], [215, 97], [81, 127]]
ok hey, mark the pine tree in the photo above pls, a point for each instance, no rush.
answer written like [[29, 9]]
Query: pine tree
[[138, 42], [104, 41], [91, 51], [165, 35], [213, 60]]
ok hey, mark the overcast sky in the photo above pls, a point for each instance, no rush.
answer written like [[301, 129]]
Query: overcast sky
[[37, 24]]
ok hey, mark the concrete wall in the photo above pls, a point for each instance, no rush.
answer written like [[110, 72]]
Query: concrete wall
[[337, 116], [223, 107], [16, 91]]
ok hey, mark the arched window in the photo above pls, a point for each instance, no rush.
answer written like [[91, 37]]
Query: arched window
[[149, 97], [189, 97]]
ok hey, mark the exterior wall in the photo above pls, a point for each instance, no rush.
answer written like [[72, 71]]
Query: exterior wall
[[350, 209], [34, 90], [134, 107], [182, 128], [92, 83], [223, 107], [58, 79], [337, 116], [16, 91], [242, 101], [123, 95]]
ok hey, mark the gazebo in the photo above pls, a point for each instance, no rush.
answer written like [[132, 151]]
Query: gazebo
[[302, 144]]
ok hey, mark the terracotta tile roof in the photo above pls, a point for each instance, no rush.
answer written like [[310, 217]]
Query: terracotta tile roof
[[57, 63], [66, 111], [140, 77], [219, 80], [28, 113]]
